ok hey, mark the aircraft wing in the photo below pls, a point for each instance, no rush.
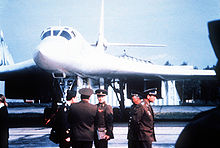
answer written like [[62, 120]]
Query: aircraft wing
[[128, 68], [158, 72], [26, 80], [23, 69]]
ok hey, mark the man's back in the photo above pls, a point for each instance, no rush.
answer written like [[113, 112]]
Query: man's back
[[81, 118]]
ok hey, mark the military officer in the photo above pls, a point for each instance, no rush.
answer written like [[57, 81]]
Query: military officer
[[104, 122], [136, 123], [149, 96], [140, 128], [81, 118], [4, 134], [61, 124]]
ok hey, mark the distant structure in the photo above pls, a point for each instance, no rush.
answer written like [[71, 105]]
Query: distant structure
[[5, 59], [169, 96], [5, 56], [168, 93]]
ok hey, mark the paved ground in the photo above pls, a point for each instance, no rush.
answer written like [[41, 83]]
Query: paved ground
[[166, 134], [162, 113], [194, 109], [157, 109]]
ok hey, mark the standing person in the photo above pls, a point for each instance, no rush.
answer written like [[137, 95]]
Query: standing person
[[202, 131], [140, 128], [136, 123], [61, 125], [149, 96], [4, 134], [81, 118], [104, 122]]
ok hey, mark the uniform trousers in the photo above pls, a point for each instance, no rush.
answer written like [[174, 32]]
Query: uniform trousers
[[3, 137], [101, 143], [139, 144], [81, 144]]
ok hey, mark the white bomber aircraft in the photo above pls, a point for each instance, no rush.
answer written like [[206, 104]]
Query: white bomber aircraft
[[64, 56]]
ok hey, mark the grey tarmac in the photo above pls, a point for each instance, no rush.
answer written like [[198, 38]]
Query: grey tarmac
[[32, 137]]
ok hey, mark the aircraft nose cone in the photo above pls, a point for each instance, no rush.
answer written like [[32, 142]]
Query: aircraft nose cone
[[39, 59], [50, 52]]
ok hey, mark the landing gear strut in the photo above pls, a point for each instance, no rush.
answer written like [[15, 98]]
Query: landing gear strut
[[120, 96]]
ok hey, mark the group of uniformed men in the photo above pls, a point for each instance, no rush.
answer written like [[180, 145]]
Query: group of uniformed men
[[141, 123], [81, 123], [78, 124]]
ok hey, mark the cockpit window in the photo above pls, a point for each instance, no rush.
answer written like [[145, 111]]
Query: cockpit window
[[66, 35], [55, 32], [46, 34]]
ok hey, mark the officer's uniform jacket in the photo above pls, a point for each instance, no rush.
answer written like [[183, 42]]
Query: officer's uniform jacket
[[4, 134], [61, 124], [141, 124], [81, 118], [105, 118]]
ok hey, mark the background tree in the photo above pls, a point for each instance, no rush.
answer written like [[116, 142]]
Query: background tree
[[167, 63], [184, 63], [210, 68]]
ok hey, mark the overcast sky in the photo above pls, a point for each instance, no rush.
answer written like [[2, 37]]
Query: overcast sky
[[180, 24]]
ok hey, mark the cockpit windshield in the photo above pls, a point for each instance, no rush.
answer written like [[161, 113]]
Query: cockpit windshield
[[46, 34], [55, 32], [66, 33]]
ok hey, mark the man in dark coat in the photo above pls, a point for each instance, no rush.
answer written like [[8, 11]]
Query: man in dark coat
[[4, 134], [141, 126], [149, 96], [202, 131], [81, 118], [61, 125], [104, 122]]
